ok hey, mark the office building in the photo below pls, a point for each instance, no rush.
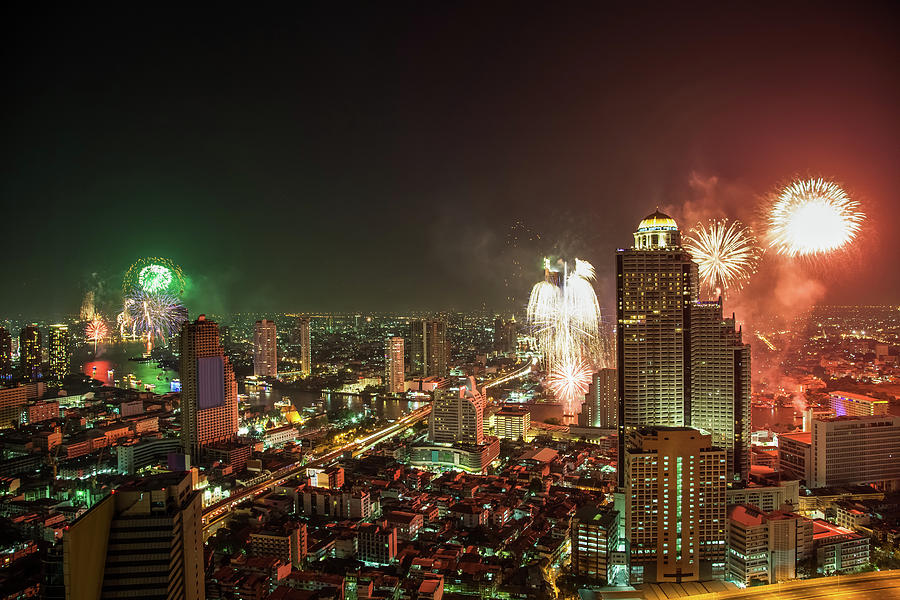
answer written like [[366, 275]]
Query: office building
[[674, 505], [265, 349], [512, 422], [394, 365], [848, 404], [143, 541], [855, 451], [767, 547], [594, 536], [14, 402], [209, 410], [6, 364], [795, 454], [720, 384], [601, 403], [656, 284], [457, 415], [30, 353], [505, 335], [305, 346], [429, 349], [58, 353]]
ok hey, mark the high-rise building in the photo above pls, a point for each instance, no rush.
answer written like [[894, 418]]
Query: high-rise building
[[601, 403], [394, 367], [58, 352], [855, 451], [656, 284], [6, 365], [30, 352], [429, 350], [457, 416], [720, 384], [594, 536], [674, 505], [265, 349], [143, 541], [209, 410], [305, 346], [505, 335]]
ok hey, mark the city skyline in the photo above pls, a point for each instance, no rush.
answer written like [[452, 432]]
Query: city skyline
[[354, 146]]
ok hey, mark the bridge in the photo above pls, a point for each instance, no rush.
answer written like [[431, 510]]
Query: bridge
[[215, 515]]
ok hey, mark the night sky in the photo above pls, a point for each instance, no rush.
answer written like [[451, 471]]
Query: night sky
[[388, 157]]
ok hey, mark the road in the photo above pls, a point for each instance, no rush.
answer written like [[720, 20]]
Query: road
[[215, 514], [882, 585]]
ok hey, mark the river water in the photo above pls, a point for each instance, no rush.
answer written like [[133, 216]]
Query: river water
[[112, 366]]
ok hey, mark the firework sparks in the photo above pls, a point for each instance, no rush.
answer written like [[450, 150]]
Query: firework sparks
[[96, 330], [565, 319], [727, 254], [154, 275], [151, 316], [570, 380], [813, 217]]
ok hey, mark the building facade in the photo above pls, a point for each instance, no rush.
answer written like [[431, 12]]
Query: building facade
[[265, 349], [209, 409], [855, 451], [848, 404], [720, 384], [305, 346], [30, 353], [512, 422], [145, 540], [429, 349], [395, 365], [58, 352], [594, 537], [656, 284], [674, 505], [601, 403], [6, 364], [457, 415]]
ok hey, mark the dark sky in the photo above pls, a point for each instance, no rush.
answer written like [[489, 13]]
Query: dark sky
[[379, 157]]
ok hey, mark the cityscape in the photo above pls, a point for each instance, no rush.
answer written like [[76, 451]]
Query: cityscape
[[312, 383]]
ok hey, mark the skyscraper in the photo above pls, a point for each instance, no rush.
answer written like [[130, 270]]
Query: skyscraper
[[30, 353], [265, 349], [457, 416], [674, 505], [142, 541], [394, 367], [58, 352], [429, 351], [6, 366], [305, 347], [656, 283], [601, 403], [720, 384], [209, 410]]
